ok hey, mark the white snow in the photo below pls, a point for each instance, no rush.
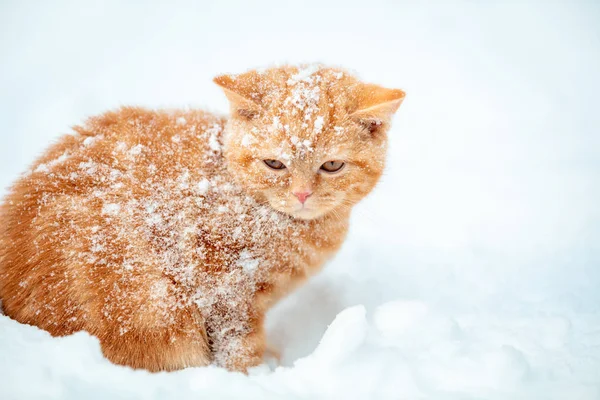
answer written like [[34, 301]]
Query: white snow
[[470, 273], [111, 209], [136, 150], [203, 186], [276, 124], [42, 168], [304, 74], [89, 167], [319, 122], [247, 262], [213, 142], [90, 140], [247, 140]]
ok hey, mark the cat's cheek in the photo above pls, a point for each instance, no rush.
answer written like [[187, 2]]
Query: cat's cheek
[[358, 190]]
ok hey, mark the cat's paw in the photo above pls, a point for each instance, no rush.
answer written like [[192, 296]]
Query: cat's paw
[[272, 356]]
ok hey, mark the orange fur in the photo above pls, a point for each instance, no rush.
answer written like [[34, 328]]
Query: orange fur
[[164, 234]]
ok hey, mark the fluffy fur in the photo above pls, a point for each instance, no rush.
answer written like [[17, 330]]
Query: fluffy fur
[[166, 235]]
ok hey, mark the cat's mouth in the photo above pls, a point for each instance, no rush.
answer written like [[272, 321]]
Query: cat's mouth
[[313, 208]]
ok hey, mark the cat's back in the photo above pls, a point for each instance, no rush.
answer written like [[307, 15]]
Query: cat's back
[[159, 140], [143, 145], [97, 211]]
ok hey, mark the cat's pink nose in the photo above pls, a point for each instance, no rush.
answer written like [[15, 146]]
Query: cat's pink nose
[[302, 196]]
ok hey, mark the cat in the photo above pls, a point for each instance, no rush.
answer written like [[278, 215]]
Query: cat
[[169, 234]]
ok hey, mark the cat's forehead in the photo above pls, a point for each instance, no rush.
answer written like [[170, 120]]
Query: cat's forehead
[[307, 104], [305, 112], [283, 143], [306, 107]]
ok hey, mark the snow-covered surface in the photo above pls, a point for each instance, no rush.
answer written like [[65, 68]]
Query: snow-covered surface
[[472, 272]]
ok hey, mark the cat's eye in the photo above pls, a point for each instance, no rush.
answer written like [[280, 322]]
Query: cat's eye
[[274, 164], [332, 166]]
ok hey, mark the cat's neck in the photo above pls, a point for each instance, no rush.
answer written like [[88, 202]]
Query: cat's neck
[[332, 227]]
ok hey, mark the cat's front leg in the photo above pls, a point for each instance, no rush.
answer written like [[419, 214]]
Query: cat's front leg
[[240, 350]]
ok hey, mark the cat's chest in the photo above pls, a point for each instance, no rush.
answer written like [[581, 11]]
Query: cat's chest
[[229, 248], [213, 230], [236, 234]]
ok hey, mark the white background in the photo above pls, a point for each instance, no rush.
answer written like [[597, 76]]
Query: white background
[[487, 216]]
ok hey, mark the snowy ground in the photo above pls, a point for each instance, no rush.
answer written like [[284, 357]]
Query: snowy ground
[[473, 271]]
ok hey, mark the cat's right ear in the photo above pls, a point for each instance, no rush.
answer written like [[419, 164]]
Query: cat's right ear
[[241, 91]]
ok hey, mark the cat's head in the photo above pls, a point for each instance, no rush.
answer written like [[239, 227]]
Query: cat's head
[[308, 140]]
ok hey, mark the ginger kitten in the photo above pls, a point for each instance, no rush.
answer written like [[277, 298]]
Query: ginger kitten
[[169, 234]]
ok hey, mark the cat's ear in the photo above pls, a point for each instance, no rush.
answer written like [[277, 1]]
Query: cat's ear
[[376, 105], [243, 92]]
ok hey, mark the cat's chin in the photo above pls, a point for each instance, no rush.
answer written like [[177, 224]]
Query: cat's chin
[[302, 213], [306, 213]]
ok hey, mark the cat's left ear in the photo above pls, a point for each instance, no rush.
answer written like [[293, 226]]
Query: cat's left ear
[[376, 105], [244, 93]]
